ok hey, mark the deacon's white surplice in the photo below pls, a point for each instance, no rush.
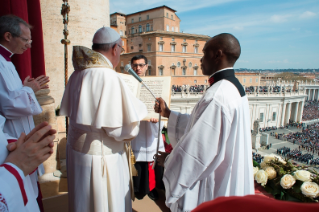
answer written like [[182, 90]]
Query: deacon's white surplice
[[103, 114], [212, 150], [18, 105], [145, 144], [11, 198]]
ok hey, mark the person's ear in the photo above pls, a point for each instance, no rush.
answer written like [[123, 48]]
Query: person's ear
[[219, 54], [114, 49], [7, 36]]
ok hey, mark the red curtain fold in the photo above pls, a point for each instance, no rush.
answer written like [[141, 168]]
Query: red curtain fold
[[37, 50], [31, 62]]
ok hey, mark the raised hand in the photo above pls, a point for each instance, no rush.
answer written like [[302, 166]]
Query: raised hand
[[32, 150], [38, 83], [153, 120], [161, 158], [161, 107]]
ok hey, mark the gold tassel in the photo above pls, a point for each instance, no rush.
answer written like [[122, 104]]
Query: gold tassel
[[133, 161]]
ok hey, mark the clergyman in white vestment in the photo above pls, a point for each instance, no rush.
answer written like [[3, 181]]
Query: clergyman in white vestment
[[211, 154], [104, 115], [144, 146], [18, 103], [16, 190]]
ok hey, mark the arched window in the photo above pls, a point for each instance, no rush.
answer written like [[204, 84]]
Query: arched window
[[147, 27], [195, 72], [160, 72], [184, 71], [167, 28], [139, 28], [172, 48], [172, 29]]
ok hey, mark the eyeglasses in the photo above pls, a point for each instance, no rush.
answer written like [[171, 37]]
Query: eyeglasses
[[140, 65], [27, 41], [122, 49]]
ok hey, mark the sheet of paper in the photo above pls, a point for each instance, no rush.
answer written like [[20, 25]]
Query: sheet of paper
[[160, 86]]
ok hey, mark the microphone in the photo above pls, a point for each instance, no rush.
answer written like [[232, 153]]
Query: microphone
[[128, 69]]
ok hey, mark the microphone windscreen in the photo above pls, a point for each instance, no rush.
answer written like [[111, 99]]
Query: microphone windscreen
[[128, 69]]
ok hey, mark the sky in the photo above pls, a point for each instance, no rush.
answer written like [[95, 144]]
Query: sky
[[274, 34]]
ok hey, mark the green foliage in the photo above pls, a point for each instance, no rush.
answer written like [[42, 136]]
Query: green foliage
[[255, 164]]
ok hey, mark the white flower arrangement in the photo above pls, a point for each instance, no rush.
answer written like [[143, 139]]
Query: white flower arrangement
[[285, 181]]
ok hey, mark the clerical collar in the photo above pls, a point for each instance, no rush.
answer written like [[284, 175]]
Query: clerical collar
[[212, 80], [6, 53]]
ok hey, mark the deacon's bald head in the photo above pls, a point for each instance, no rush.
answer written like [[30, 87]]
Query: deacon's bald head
[[221, 51]]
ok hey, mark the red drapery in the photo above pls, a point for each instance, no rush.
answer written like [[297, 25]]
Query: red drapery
[[31, 62]]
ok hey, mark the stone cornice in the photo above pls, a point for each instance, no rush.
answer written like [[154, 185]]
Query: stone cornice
[[160, 33], [184, 44]]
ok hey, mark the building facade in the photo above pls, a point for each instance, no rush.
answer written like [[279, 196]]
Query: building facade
[[156, 34]]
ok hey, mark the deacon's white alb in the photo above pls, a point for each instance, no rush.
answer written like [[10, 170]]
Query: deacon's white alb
[[211, 154]]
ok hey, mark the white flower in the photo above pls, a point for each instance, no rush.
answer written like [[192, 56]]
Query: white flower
[[263, 165], [268, 158], [261, 177], [271, 172], [287, 181], [310, 189], [255, 170], [302, 175]]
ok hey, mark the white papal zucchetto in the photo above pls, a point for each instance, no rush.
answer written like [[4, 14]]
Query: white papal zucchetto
[[105, 35]]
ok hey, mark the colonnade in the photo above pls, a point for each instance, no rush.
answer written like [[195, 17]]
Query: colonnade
[[312, 94]]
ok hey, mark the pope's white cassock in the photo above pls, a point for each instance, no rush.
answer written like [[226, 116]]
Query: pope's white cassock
[[16, 192], [103, 114], [211, 154], [18, 104]]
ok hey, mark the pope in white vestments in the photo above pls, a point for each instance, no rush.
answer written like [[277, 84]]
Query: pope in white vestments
[[211, 154], [104, 115], [16, 192]]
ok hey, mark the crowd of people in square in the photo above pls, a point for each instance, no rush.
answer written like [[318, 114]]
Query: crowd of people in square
[[188, 88], [257, 157], [311, 110], [264, 89], [308, 138]]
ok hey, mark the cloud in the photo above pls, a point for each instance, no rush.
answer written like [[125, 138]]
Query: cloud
[[238, 27], [279, 18], [307, 14]]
